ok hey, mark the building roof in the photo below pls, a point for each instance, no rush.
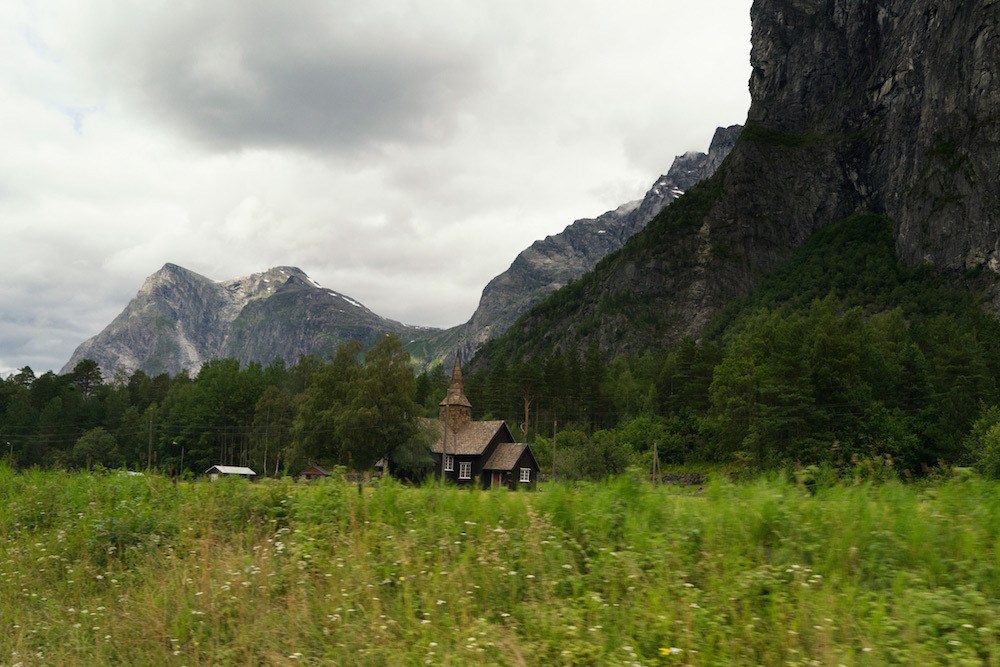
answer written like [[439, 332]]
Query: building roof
[[471, 439], [231, 470], [315, 470], [505, 456]]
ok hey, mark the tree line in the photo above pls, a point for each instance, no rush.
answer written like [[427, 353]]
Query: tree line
[[823, 384], [843, 355], [350, 410]]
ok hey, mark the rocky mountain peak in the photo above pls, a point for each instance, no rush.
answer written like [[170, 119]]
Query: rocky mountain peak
[[170, 274], [238, 292], [723, 142], [180, 319]]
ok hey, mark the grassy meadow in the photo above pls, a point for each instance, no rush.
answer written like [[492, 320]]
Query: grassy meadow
[[114, 569]]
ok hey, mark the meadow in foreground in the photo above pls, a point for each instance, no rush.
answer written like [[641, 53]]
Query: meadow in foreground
[[113, 569]]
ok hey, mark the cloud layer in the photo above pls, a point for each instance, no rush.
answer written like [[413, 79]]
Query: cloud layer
[[399, 152]]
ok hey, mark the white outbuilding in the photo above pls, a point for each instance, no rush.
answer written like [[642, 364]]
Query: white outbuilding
[[217, 471]]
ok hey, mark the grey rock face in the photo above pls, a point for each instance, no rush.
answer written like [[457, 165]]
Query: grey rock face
[[907, 95], [888, 106], [552, 262], [179, 320], [302, 318]]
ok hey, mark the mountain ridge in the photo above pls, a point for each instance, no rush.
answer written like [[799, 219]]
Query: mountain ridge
[[179, 319]]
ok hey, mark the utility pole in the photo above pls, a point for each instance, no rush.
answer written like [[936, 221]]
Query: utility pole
[[537, 406], [656, 465], [149, 450], [267, 431], [554, 424], [527, 415]]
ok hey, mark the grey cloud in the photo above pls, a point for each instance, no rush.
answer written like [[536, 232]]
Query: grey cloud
[[41, 325], [243, 75]]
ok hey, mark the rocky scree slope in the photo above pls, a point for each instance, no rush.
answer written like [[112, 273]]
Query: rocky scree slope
[[891, 107], [179, 320]]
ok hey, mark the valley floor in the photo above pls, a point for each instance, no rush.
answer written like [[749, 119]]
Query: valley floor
[[113, 569]]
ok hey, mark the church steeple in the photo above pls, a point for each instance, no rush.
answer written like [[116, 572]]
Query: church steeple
[[455, 409]]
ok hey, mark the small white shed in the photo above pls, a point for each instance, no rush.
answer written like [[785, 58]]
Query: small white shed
[[217, 471]]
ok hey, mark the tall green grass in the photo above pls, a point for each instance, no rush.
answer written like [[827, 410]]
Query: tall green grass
[[112, 569]]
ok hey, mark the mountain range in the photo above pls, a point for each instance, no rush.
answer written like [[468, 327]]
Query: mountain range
[[179, 319], [857, 107]]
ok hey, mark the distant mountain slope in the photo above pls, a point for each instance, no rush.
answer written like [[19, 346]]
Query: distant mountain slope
[[180, 319], [554, 261]]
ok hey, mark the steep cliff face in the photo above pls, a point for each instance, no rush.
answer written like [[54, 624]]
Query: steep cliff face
[[172, 322], [887, 106], [915, 84], [300, 318], [179, 320]]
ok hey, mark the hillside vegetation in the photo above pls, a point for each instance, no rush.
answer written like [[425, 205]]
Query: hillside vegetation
[[842, 353], [567, 318], [114, 569]]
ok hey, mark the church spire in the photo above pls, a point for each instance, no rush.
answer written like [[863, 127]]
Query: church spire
[[455, 409], [456, 375]]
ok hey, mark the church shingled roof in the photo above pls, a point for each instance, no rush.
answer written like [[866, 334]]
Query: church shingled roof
[[505, 456], [470, 440]]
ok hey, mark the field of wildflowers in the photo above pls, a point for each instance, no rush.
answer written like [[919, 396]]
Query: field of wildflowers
[[114, 569]]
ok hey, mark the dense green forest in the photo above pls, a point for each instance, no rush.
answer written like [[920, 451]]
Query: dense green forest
[[842, 356], [351, 410]]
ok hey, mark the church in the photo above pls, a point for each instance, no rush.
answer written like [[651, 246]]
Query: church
[[481, 453]]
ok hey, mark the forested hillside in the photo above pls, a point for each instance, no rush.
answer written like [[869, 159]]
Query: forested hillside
[[843, 353]]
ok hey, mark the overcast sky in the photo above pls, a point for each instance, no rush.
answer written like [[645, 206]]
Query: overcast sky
[[400, 152]]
